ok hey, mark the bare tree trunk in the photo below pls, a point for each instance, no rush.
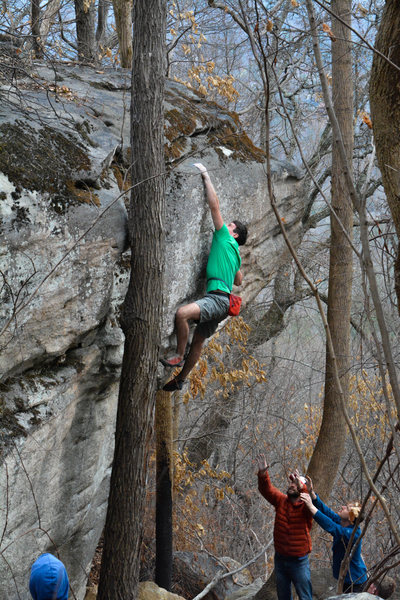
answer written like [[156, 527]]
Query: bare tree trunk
[[37, 46], [325, 460], [42, 20], [85, 26], [164, 479], [49, 15], [175, 420], [385, 112], [123, 22], [141, 314], [102, 11]]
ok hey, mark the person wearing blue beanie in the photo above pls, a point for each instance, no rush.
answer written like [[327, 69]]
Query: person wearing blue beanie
[[49, 579]]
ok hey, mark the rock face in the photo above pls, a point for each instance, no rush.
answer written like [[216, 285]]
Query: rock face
[[148, 590], [360, 596], [64, 269]]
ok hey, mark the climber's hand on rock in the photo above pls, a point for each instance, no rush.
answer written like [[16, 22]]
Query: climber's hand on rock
[[200, 167]]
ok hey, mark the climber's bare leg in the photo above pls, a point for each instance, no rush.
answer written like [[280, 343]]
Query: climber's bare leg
[[193, 356], [183, 315]]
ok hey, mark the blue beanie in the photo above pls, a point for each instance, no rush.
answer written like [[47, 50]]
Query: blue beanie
[[49, 579]]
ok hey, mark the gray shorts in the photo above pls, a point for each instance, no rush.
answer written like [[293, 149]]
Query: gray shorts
[[213, 309]]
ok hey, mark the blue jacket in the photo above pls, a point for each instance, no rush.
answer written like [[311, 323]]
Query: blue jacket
[[49, 579], [330, 521]]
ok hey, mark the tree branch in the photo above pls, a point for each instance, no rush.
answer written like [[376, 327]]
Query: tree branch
[[219, 578]]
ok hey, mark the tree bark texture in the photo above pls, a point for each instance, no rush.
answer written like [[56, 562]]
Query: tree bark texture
[[176, 412], [141, 314], [37, 46], [123, 23], [49, 15], [85, 13], [102, 11], [385, 113], [330, 444], [164, 480]]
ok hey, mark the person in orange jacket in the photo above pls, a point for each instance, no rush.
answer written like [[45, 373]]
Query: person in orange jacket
[[292, 540]]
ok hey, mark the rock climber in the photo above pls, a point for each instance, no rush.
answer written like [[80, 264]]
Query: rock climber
[[223, 270]]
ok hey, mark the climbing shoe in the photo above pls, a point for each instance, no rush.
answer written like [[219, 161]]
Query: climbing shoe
[[175, 361], [174, 385]]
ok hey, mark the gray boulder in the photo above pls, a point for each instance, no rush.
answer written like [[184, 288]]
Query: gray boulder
[[64, 268], [360, 596], [247, 592], [193, 571]]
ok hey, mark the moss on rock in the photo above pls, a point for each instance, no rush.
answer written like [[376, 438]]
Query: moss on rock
[[42, 160], [189, 117]]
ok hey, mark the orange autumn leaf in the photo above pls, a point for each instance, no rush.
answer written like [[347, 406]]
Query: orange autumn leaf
[[270, 25], [367, 119], [362, 9], [328, 30]]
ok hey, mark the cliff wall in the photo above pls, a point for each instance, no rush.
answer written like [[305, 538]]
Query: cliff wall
[[64, 265]]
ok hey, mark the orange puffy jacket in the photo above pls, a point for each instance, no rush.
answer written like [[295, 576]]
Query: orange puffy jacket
[[292, 520]]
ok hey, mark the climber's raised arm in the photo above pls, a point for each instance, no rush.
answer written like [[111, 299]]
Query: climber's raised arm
[[211, 197]]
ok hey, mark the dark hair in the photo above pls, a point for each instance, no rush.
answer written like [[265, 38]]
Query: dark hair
[[241, 230], [386, 587]]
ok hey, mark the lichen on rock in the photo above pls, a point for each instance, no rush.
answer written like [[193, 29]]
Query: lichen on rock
[[41, 159]]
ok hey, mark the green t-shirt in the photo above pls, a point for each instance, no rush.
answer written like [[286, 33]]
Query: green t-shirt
[[224, 260]]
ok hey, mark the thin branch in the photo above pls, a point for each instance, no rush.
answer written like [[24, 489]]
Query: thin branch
[[12, 574], [230, 12], [362, 38], [351, 549], [219, 578], [360, 208], [30, 484], [316, 183], [367, 262], [7, 508]]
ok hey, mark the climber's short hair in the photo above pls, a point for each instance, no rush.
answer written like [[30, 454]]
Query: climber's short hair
[[241, 230]]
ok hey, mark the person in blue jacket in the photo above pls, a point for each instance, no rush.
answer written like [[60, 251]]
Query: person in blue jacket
[[340, 525], [49, 579]]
